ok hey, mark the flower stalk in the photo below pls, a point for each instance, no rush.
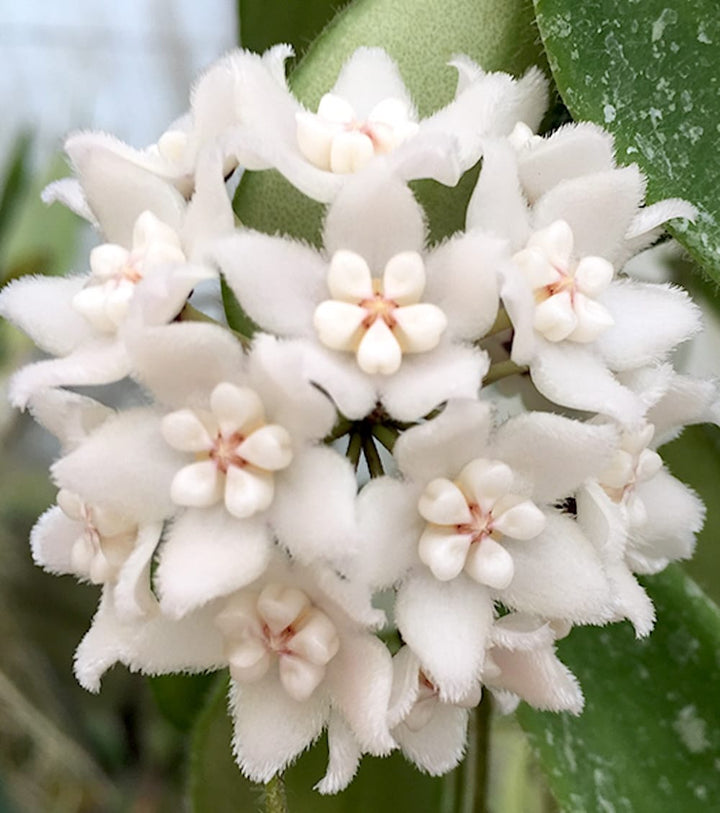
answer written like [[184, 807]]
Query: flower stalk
[[274, 797]]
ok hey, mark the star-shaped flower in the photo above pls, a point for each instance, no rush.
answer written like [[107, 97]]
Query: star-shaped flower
[[474, 521], [380, 318], [572, 218]]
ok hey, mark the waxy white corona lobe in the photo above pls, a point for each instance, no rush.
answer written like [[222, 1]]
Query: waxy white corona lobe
[[378, 319], [335, 139], [279, 623], [105, 542], [105, 299], [564, 288], [237, 452], [632, 463], [467, 519]]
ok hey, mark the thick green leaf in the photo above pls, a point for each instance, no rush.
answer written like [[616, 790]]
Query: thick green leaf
[[421, 35], [649, 72], [649, 738], [266, 22], [217, 786]]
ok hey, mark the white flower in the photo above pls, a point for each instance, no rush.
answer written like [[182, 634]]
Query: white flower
[[522, 665], [637, 514], [106, 295], [466, 479], [93, 542], [285, 488], [366, 116], [300, 663], [406, 315], [565, 291], [572, 218], [335, 139], [430, 731], [141, 277]]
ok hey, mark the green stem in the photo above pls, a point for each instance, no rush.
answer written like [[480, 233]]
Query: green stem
[[274, 796], [472, 793], [502, 322], [386, 435], [502, 369], [354, 448], [192, 314], [341, 428], [374, 464]]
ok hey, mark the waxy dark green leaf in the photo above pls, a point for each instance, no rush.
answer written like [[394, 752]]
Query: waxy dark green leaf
[[648, 71], [648, 739], [266, 22]]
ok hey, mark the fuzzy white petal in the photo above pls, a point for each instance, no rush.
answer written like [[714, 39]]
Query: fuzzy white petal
[[270, 728], [376, 217], [368, 77], [343, 758], [359, 678], [125, 465], [463, 282], [314, 509], [391, 527], [576, 377], [439, 745], [118, 191], [279, 282], [540, 679], [572, 151], [133, 593], [52, 539], [553, 454], [153, 646], [558, 575], [206, 354], [497, 205], [650, 320], [42, 307], [97, 362], [69, 416], [206, 554], [426, 380], [610, 198], [446, 624], [674, 515]]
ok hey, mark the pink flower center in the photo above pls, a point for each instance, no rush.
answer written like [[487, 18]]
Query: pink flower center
[[378, 307], [224, 451]]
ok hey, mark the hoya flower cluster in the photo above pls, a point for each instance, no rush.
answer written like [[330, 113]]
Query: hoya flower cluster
[[279, 504]]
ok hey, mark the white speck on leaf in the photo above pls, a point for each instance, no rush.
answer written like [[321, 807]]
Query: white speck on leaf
[[702, 35], [668, 17], [691, 730], [609, 113]]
